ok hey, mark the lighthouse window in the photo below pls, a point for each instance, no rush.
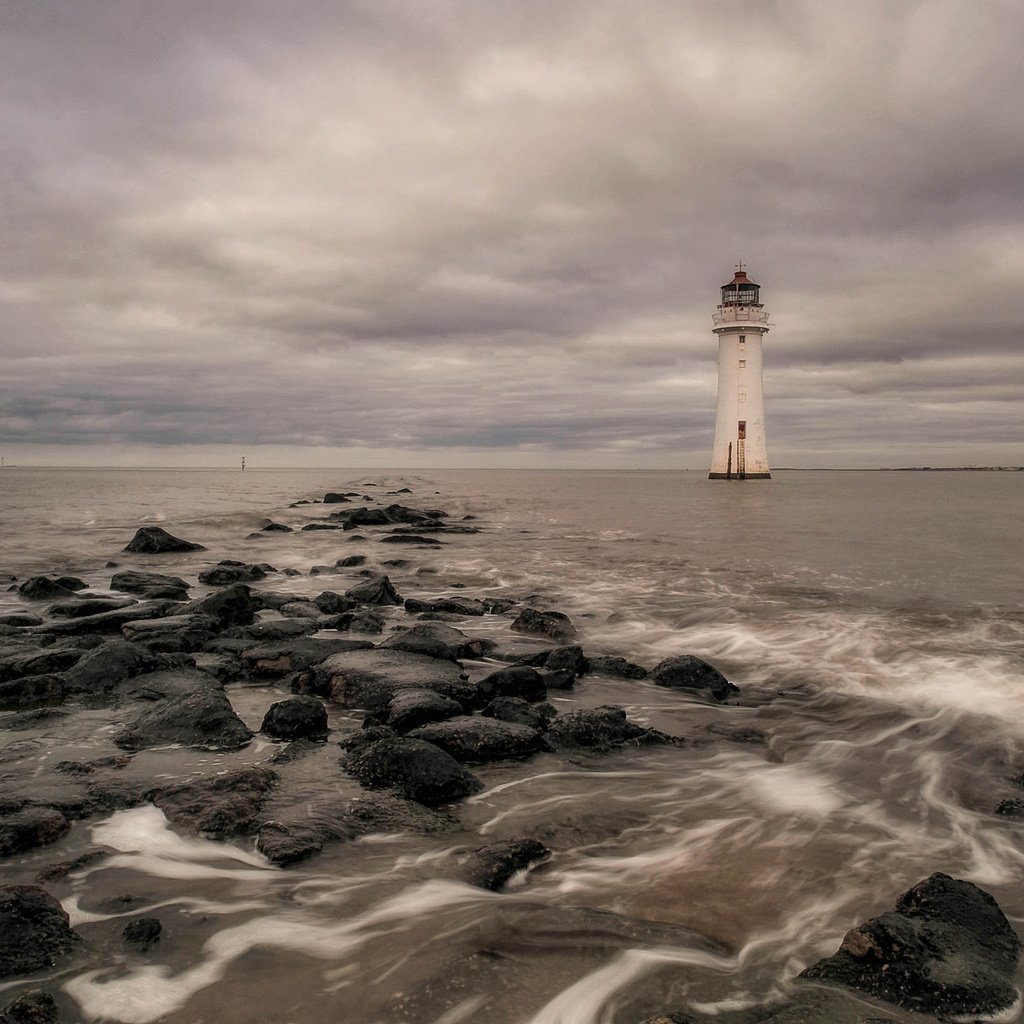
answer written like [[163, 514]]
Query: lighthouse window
[[743, 363], [743, 339], [741, 394]]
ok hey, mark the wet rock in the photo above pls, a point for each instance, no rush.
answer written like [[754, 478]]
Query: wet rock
[[1011, 808], [101, 670], [454, 605], [295, 718], [301, 608], [173, 633], [29, 828], [499, 605], [419, 641], [392, 514], [614, 666], [360, 622], [472, 739], [491, 866], [154, 540], [203, 719], [34, 930], [558, 659], [563, 679], [687, 672], [283, 657], [370, 678], [516, 681], [223, 805], [20, 619], [331, 603], [35, 661], [80, 606], [111, 622], [44, 588], [232, 606], [418, 770], [310, 527], [539, 623], [945, 949], [411, 538], [336, 498], [149, 584], [240, 638], [229, 571], [350, 561], [33, 1007], [376, 590], [409, 709], [738, 733], [31, 691], [601, 729], [519, 712], [143, 933], [53, 872], [288, 841]]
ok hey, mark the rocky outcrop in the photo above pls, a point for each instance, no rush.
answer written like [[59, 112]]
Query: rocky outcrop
[[149, 584], [945, 949], [375, 590], [34, 930], [233, 606], [203, 719], [219, 806], [454, 605], [418, 770], [154, 540], [601, 729], [296, 718], [472, 739], [540, 623], [687, 672]]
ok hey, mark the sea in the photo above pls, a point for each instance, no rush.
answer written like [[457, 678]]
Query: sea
[[873, 622]]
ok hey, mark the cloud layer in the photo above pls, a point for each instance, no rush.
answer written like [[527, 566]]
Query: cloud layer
[[468, 233]]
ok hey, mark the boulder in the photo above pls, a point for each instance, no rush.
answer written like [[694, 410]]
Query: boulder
[[559, 659], [228, 571], [336, 497], [33, 661], [454, 605], [375, 590], [149, 584], [35, 1007], [31, 827], [34, 930], [419, 641], [154, 540], [203, 719], [218, 806], [295, 718], [491, 866], [687, 672], [282, 657], [945, 949], [418, 770], [284, 842], [20, 619], [350, 561], [110, 622], [232, 606], [80, 606], [539, 623], [518, 711], [472, 739], [609, 665], [172, 633], [411, 538], [331, 603], [601, 729], [43, 588], [31, 691], [409, 709], [516, 681], [370, 678], [392, 514]]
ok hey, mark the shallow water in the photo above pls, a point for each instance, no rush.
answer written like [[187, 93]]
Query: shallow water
[[872, 620]]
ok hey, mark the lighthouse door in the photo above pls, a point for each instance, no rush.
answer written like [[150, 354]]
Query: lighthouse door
[[741, 445]]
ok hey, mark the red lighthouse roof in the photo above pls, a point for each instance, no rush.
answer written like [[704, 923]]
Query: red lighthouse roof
[[741, 280]]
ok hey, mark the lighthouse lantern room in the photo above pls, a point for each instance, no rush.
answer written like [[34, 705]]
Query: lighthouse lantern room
[[741, 449]]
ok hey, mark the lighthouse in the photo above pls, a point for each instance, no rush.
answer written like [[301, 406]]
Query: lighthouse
[[741, 450]]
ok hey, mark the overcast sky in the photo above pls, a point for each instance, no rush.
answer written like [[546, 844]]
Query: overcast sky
[[492, 232]]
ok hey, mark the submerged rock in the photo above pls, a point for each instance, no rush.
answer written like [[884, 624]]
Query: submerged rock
[[945, 949], [44, 588], [418, 770], [222, 805], [491, 866], [473, 739], [602, 729], [33, 1007], [31, 827], [34, 930], [610, 665], [453, 604], [154, 540], [687, 672], [142, 933], [228, 571]]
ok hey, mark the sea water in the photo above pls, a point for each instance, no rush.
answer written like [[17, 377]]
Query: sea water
[[872, 621]]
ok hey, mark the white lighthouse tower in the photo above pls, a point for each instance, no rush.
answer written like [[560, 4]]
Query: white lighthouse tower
[[741, 450]]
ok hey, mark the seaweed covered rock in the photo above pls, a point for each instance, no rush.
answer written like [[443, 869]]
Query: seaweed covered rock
[[945, 949]]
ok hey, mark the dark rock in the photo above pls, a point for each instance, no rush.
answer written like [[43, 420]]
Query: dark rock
[[34, 930], [409, 709], [72, 583], [419, 643], [202, 719], [276, 528], [301, 608], [418, 770], [232, 606], [284, 842], [134, 581], [552, 624], [499, 605], [309, 527], [491, 866], [43, 588], [228, 571], [33, 1007], [472, 739], [142, 933], [369, 679], [516, 681], [31, 691], [1011, 808], [101, 670], [563, 679], [360, 622], [323, 570], [335, 498], [454, 604], [20, 619], [687, 672], [174, 634], [601, 729], [295, 718], [35, 661], [376, 590], [614, 666], [222, 805], [31, 827], [80, 606], [411, 538], [454, 642], [53, 872], [332, 604], [350, 560], [285, 656], [110, 622], [385, 516], [559, 659], [946, 949], [738, 733], [518, 711], [154, 540]]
